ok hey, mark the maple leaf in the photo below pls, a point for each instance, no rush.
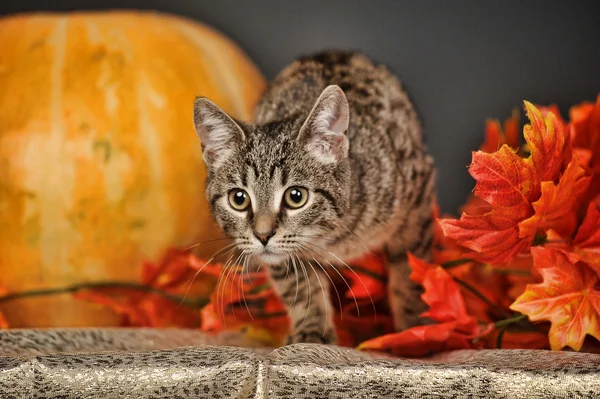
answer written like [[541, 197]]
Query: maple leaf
[[547, 139], [493, 239], [353, 329], [568, 297], [173, 276], [557, 207], [586, 244], [488, 283], [585, 127], [367, 278], [421, 340], [496, 136], [456, 328], [3, 322], [510, 184], [362, 309], [522, 274], [244, 300]]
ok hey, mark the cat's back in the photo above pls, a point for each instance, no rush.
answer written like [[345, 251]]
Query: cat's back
[[376, 97]]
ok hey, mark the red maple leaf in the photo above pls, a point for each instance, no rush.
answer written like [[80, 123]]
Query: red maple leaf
[[585, 127], [568, 297], [496, 136], [456, 329], [489, 283], [586, 244], [510, 184]]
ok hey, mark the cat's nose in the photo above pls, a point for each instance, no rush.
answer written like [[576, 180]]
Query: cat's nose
[[264, 237]]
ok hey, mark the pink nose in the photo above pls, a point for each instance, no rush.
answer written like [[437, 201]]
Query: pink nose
[[264, 237]]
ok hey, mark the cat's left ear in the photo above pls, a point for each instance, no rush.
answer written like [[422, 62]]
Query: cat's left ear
[[324, 131], [219, 134]]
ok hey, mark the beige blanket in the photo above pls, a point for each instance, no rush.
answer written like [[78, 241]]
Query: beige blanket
[[178, 364]]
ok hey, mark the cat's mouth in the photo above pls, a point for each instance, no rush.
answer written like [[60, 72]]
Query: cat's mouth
[[269, 257]]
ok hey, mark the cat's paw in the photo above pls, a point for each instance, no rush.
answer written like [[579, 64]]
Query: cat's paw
[[312, 337]]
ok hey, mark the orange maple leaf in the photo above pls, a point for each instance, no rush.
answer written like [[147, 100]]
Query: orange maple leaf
[[173, 275], [568, 297], [510, 184], [549, 143], [456, 328], [3, 322], [557, 207]]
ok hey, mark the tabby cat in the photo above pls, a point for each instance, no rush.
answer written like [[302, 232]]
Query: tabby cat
[[334, 165]]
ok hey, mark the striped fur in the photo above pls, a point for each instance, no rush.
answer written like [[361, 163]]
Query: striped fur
[[377, 196]]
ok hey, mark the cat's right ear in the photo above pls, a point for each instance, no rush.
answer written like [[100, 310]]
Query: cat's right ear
[[217, 131], [324, 131]]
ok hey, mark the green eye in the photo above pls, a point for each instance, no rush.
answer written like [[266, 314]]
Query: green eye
[[295, 197], [239, 199]]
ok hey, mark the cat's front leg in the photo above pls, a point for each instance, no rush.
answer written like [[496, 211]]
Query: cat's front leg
[[415, 235], [305, 292]]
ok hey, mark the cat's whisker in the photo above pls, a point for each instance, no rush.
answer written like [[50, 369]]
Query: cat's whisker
[[343, 279], [250, 259], [244, 265], [337, 293], [355, 274], [353, 235], [220, 283], [325, 300], [226, 272], [206, 242], [345, 244], [309, 291], [189, 283], [297, 283], [234, 266]]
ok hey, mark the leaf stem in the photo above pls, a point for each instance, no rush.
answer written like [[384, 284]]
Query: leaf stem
[[498, 310], [512, 272], [71, 289], [510, 320], [454, 263], [500, 336]]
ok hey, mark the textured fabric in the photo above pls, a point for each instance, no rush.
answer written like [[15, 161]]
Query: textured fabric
[[160, 364]]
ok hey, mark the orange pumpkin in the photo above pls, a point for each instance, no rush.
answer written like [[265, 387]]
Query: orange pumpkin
[[100, 167]]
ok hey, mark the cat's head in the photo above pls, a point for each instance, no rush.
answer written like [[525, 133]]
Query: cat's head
[[275, 188]]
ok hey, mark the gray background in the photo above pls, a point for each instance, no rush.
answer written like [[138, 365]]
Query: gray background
[[462, 61]]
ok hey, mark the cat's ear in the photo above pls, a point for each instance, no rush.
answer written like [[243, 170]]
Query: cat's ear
[[218, 132], [324, 131]]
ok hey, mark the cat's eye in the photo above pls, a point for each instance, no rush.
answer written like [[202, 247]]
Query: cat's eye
[[239, 199], [295, 197]]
